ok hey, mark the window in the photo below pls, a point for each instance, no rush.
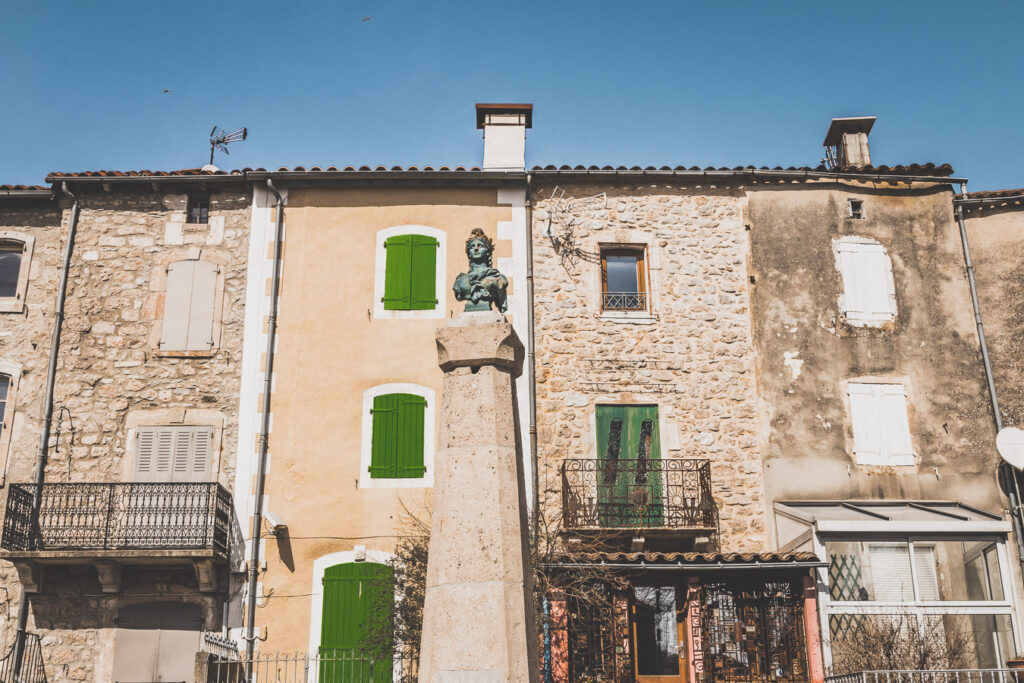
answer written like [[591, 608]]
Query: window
[[9, 374], [198, 209], [410, 273], [189, 306], [174, 453], [398, 424], [5, 386], [881, 430], [948, 589], [15, 259], [869, 292], [856, 208], [623, 278]]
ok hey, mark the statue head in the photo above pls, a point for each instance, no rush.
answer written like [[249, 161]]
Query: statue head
[[479, 247]]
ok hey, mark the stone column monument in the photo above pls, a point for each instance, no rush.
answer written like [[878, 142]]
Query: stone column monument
[[478, 621]]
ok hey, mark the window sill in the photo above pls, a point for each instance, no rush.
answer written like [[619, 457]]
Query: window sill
[[186, 354], [12, 305], [628, 317]]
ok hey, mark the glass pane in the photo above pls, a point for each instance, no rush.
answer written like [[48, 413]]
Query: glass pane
[[876, 642], [957, 570], [621, 273], [10, 266], [657, 641], [969, 641], [869, 571]]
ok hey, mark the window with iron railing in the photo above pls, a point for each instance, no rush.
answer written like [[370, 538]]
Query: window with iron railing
[[623, 278]]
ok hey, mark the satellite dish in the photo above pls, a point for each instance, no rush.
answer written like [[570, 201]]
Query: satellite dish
[[1010, 444]]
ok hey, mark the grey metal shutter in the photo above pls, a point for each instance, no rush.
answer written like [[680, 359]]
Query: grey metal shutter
[[174, 453], [200, 317], [178, 301]]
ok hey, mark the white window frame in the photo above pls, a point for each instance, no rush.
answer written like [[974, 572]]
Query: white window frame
[[13, 371], [886, 457], [16, 303], [429, 435], [916, 608], [882, 313], [380, 270]]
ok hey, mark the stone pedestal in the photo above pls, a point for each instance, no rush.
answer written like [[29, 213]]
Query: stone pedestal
[[478, 621]]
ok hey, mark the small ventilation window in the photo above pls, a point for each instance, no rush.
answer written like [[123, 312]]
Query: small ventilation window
[[856, 208], [198, 209]]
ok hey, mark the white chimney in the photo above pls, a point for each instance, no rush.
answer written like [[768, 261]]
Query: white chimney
[[848, 138], [504, 127]]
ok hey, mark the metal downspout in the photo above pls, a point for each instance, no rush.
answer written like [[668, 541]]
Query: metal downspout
[[44, 438], [1006, 471], [268, 373], [531, 356]]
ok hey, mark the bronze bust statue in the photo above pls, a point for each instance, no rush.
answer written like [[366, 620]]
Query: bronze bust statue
[[483, 285]]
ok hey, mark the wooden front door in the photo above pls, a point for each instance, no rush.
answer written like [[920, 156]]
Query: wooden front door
[[658, 635], [355, 594]]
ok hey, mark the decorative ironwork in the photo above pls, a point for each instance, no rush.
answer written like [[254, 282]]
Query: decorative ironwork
[[624, 301], [753, 632], [657, 493], [598, 628], [32, 670], [116, 516], [327, 666]]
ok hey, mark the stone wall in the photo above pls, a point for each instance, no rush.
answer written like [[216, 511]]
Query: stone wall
[[112, 375], [692, 356]]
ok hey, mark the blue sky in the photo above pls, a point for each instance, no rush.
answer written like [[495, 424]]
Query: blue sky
[[693, 83]]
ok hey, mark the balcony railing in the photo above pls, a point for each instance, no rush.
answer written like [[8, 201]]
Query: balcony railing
[[624, 301], [115, 516], [619, 493]]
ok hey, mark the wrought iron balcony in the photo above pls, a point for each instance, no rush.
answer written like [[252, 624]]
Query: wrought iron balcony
[[624, 301], [638, 494], [109, 518]]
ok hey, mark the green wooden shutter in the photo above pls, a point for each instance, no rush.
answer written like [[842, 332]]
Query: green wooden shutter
[[384, 451], [398, 273], [354, 593], [424, 273], [411, 413]]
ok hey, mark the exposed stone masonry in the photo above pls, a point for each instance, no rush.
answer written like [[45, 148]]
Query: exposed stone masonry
[[692, 356]]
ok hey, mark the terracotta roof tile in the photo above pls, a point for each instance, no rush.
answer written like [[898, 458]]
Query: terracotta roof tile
[[691, 558], [912, 169], [24, 187], [993, 194], [142, 174]]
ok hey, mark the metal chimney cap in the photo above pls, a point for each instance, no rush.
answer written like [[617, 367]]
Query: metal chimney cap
[[524, 109], [850, 124]]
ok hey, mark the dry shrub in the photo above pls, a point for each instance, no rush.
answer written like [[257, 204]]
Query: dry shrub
[[897, 642]]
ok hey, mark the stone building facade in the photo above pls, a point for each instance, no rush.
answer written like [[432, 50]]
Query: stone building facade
[[135, 409]]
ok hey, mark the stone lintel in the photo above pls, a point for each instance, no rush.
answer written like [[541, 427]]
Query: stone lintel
[[30, 575], [109, 574], [468, 341]]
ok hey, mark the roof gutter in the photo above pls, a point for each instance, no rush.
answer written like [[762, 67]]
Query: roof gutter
[[976, 201], [27, 194], [683, 566]]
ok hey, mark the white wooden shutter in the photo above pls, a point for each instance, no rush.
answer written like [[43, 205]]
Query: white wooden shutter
[[890, 572], [869, 292], [174, 453], [881, 430], [177, 302], [200, 318]]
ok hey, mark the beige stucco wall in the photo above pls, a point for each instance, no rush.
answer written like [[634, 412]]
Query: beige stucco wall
[[693, 358], [331, 350]]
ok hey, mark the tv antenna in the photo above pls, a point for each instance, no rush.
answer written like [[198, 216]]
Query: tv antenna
[[219, 139]]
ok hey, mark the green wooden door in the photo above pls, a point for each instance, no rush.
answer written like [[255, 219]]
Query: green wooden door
[[357, 602], [628, 492]]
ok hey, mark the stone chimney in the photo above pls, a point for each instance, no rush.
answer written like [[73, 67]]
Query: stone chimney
[[847, 141], [504, 127]]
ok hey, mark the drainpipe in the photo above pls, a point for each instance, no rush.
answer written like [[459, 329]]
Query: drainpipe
[[531, 356], [1006, 471], [268, 373], [44, 438]]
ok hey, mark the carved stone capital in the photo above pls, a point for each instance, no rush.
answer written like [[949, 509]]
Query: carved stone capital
[[109, 574], [469, 342], [206, 575], [30, 575]]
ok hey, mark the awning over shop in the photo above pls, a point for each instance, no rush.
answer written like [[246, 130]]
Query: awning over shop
[[796, 521]]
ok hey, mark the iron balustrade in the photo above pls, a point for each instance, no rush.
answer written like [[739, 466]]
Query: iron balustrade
[[31, 670], [624, 301], [119, 516], [648, 493]]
